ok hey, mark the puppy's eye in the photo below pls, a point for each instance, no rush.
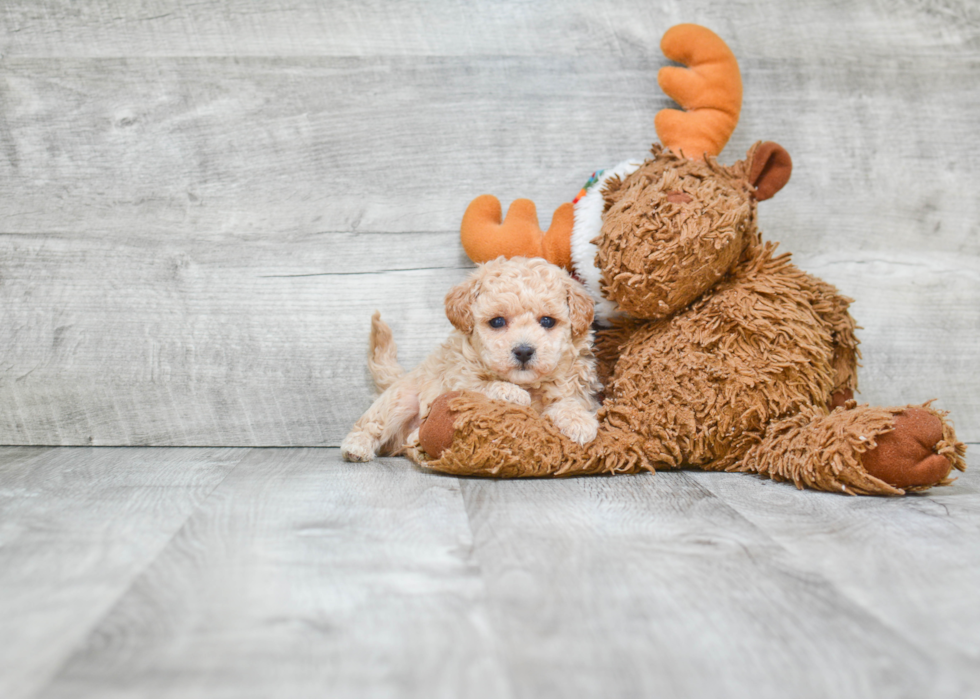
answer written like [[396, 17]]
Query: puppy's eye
[[547, 322], [497, 322]]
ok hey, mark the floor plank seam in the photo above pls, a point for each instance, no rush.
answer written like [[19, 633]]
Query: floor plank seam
[[492, 620], [111, 607], [935, 656]]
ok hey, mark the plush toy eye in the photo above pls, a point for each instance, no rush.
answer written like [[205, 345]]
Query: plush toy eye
[[497, 322], [547, 322]]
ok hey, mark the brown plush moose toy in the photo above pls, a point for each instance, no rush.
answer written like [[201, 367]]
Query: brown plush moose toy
[[716, 353]]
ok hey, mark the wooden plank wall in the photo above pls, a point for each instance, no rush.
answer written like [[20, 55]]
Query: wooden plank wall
[[202, 204]]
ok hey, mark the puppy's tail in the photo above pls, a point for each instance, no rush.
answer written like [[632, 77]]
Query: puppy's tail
[[383, 354]]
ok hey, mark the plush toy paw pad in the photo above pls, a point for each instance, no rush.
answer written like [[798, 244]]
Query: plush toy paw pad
[[840, 399], [436, 432], [906, 457]]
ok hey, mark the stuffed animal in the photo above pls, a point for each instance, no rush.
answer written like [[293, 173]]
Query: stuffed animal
[[716, 352]]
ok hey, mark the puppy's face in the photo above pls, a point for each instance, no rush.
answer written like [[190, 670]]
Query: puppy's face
[[523, 317]]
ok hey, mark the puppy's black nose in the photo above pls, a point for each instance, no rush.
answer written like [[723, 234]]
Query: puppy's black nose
[[523, 353]]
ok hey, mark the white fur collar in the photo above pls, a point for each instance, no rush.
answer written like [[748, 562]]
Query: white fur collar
[[588, 223]]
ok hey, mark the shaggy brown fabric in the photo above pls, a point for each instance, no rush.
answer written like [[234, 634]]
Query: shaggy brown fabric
[[436, 431], [609, 344], [823, 451], [698, 389], [504, 440], [728, 360], [832, 309], [657, 253]]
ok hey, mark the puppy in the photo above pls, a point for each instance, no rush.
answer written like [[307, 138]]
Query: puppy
[[523, 334]]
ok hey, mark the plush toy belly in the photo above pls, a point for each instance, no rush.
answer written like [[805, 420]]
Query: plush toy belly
[[714, 375]]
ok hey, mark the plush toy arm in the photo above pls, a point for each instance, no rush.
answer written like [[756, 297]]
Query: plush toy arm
[[862, 450], [485, 237], [466, 434]]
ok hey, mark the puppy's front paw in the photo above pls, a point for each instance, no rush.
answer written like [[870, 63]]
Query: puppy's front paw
[[577, 424], [509, 392], [357, 446]]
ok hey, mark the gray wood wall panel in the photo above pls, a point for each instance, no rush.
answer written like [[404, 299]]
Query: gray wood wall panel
[[447, 27], [168, 166], [920, 318], [195, 343], [183, 360]]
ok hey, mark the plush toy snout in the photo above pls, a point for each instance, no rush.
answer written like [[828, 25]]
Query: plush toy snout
[[671, 230]]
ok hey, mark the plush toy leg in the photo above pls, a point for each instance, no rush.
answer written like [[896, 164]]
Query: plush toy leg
[[467, 434], [861, 450]]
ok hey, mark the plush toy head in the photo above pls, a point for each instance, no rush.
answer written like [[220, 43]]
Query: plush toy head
[[675, 226]]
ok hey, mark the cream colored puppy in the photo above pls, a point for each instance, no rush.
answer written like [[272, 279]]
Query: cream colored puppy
[[523, 334]]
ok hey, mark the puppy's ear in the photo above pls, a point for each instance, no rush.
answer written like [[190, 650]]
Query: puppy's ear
[[581, 308], [459, 305]]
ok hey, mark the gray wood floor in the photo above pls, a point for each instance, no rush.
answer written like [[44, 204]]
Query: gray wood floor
[[156, 572]]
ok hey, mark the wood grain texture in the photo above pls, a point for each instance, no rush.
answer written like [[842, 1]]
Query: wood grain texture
[[77, 527], [918, 315], [258, 344], [913, 563], [60, 28], [286, 572], [170, 171], [653, 586], [303, 576], [241, 343], [259, 147]]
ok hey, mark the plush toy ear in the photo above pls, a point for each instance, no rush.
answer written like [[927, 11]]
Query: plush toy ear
[[770, 169], [459, 302], [581, 308]]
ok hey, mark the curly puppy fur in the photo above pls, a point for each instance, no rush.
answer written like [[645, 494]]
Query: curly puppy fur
[[522, 335]]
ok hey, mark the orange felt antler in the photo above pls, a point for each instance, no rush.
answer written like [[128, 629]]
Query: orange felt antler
[[709, 89], [485, 238]]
